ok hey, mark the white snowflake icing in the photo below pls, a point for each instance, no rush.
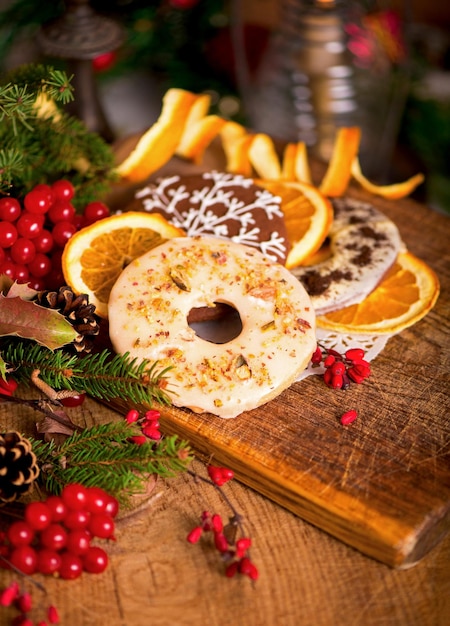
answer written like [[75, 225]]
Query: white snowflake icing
[[200, 219]]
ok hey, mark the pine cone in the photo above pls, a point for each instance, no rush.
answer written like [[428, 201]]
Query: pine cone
[[77, 310], [18, 466]]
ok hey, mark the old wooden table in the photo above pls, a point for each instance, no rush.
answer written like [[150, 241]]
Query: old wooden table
[[307, 577]]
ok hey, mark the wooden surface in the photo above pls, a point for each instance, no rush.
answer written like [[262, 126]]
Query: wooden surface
[[383, 485], [399, 448]]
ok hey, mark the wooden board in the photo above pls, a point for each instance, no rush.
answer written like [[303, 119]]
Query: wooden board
[[383, 484]]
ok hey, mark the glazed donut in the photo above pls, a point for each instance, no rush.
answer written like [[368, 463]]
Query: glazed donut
[[222, 205], [364, 244], [149, 307]]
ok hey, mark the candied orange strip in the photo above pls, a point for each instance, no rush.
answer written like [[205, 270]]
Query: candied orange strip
[[198, 136], [295, 165], [338, 174], [264, 158], [394, 191], [158, 144], [236, 142]]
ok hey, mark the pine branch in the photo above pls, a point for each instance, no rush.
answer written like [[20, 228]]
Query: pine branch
[[51, 144], [103, 456], [103, 375]]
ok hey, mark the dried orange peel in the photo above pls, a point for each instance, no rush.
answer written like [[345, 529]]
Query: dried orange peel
[[185, 129], [393, 192], [338, 174], [295, 165], [157, 146], [198, 136]]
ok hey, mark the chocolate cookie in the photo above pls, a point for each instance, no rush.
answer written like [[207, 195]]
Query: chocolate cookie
[[222, 205]]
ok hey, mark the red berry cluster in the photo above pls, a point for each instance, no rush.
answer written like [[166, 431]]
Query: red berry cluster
[[341, 370], [219, 475], [22, 600], [33, 234], [55, 536], [236, 554], [149, 425]]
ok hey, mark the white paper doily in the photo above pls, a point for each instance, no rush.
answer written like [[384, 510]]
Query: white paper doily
[[371, 344]]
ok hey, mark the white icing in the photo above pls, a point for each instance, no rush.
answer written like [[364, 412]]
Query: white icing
[[348, 239], [151, 300], [199, 219]]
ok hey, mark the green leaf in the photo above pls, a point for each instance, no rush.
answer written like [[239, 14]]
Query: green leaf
[[22, 318]]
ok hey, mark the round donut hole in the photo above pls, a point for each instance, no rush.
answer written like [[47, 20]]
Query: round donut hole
[[217, 324]]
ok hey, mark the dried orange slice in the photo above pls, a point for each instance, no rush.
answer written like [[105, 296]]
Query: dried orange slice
[[95, 256], [295, 164], [406, 294], [308, 215], [338, 174], [159, 143], [394, 191]]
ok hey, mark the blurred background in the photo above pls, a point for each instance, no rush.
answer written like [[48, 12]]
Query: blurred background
[[297, 69]]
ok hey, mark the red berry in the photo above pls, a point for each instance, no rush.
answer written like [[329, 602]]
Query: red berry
[[63, 189], [74, 496], [48, 561], [112, 506], [38, 515], [10, 209], [348, 417], [61, 211], [44, 242], [10, 594], [24, 558], [354, 354], [57, 508], [20, 533], [338, 367], [72, 401], [95, 561], [62, 232], [24, 602], [40, 266], [95, 211], [52, 614], [37, 200], [71, 566], [8, 234], [195, 534], [47, 190], [23, 251], [78, 542], [54, 537], [317, 356], [97, 500], [8, 386], [30, 225], [220, 542], [21, 274], [329, 360], [75, 520], [101, 525]]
